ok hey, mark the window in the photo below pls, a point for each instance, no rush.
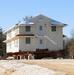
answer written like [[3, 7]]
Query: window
[[27, 40], [53, 28], [40, 28], [40, 18], [27, 28], [41, 41]]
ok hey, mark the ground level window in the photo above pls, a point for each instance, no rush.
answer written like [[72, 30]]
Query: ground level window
[[27, 40], [41, 42], [40, 28]]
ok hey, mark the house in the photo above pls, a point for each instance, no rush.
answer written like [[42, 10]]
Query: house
[[37, 33]]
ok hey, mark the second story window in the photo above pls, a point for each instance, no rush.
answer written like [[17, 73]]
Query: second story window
[[53, 28], [27, 28]]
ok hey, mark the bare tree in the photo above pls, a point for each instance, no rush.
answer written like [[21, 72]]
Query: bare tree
[[71, 48], [72, 33], [2, 44], [27, 18], [71, 44]]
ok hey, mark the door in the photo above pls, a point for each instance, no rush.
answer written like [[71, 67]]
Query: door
[[40, 31], [41, 46]]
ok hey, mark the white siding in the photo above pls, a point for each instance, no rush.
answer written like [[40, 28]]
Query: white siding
[[51, 40], [22, 30], [13, 46], [27, 47], [57, 38]]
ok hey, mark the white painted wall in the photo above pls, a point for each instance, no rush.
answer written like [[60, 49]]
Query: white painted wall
[[27, 47], [56, 37], [10, 34], [22, 30], [13, 46]]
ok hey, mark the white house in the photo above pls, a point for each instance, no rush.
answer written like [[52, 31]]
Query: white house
[[39, 32]]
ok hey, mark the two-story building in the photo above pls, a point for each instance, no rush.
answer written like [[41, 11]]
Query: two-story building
[[37, 33]]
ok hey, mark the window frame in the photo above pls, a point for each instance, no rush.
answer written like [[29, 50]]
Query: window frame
[[40, 28], [28, 28], [27, 40], [53, 28], [41, 41]]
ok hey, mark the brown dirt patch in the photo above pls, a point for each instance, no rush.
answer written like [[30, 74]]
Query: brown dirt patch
[[58, 64]]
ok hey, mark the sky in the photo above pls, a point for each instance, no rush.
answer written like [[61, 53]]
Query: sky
[[13, 11]]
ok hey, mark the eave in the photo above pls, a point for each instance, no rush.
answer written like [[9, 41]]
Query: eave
[[25, 35], [56, 23], [11, 39], [64, 36], [17, 36]]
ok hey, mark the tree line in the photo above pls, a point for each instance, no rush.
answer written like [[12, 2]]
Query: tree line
[[69, 45], [2, 44]]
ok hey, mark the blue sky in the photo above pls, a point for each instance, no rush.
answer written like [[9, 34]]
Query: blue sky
[[11, 11]]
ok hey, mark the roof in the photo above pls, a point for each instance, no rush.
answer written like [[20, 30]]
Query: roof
[[57, 23], [26, 23], [54, 22]]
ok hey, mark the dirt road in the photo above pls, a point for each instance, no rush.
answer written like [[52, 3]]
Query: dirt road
[[65, 65]]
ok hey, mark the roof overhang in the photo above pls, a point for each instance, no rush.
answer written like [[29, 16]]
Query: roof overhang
[[11, 39], [17, 36], [56, 23], [9, 29], [64, 36], [26, 23], [25, 35]]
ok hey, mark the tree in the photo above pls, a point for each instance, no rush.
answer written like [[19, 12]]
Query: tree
[[66, 46], [72, 33], [2, 44], [71, 48], [71, 45], [27, 18], [67, 42]]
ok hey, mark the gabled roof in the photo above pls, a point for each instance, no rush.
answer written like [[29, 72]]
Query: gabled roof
[[25, 23], [41, 16], [29, 22]]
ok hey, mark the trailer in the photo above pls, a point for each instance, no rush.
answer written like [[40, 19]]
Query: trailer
[[37, 54]]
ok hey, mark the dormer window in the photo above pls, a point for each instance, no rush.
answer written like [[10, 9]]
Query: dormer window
[[27, 28]]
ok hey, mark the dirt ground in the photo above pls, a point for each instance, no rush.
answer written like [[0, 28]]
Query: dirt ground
[[65, 65]]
